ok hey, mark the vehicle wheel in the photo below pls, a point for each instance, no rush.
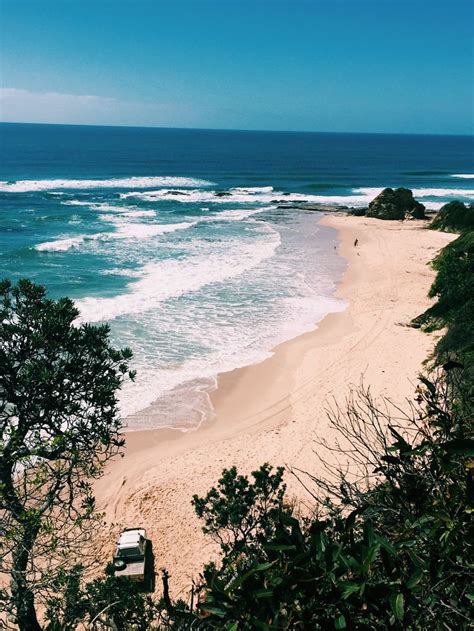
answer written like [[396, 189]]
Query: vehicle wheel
[[119, 564]]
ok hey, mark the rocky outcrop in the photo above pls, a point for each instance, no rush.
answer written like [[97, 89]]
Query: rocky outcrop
[[358, 212], [322, 208], [396, 204], [454, 217]]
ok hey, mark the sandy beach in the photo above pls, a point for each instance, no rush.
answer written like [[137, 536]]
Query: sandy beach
[[270, 412]]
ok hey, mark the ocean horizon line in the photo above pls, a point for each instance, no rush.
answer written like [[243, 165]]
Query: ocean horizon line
[[235, 130]]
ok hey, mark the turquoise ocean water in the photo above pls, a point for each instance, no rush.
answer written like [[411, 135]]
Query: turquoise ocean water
[[177, 238]]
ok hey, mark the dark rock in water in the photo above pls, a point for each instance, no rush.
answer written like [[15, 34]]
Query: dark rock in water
[[223, 194], [311, 207], [396, 204], [285, 201], [358, 212], [176, 193], [454, 217]]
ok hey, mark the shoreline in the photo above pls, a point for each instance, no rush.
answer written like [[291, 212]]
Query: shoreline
[[268, 412]]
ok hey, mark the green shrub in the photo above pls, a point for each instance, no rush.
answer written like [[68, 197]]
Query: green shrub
[[454, 217]]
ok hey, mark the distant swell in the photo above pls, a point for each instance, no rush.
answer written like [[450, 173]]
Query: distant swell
[[464, 176], [26, 186]]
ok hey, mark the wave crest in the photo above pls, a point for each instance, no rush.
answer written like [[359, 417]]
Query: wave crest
[[27, 186]]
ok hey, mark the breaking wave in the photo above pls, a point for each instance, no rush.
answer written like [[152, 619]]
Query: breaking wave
[[171, 278], [26, 186], [123, 231]]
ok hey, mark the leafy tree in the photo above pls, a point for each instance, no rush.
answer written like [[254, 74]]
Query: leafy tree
[[110, 602], [59, 425]]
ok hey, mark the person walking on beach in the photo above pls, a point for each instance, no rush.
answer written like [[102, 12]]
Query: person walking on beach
[[356, 243]]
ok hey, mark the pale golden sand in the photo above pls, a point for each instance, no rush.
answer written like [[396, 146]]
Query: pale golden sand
[[269, 412]]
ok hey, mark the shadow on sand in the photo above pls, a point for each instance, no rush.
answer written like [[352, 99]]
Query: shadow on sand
[[148, 584]]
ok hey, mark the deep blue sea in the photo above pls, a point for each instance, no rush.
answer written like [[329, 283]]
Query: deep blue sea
[[176, 239]]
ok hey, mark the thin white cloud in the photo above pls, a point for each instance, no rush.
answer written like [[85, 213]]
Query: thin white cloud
[[19, 105], [40, 107]]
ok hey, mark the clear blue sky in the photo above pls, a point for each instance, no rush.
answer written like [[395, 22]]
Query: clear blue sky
[[322, 65]]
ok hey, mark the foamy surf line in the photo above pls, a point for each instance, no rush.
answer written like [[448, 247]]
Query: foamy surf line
[[190, 387], [27, 186], [267, 195], [182, 277], [124, 231], [264, 195], [424, 192]]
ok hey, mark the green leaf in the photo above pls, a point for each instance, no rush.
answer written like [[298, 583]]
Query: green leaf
[[459, 447], [264, 593], [431, 387], [279, 547], [264, 566], [370, 557], [350, 588], [340, 622], [215, 610], [241, 579], [397, 602], [415, 578], [387, 546]]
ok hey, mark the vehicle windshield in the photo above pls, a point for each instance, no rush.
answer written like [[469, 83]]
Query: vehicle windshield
[[128, 553]]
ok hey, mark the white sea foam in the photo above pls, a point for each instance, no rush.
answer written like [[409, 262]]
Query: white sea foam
[[434, 205], [25, 186], [231, 336], [136, 230], [139, 213], [443, 192], [123, 231], [264, 195], [60, 245], [253, 189], [147, 230], [464, 176], [370, 193], [100, 206], [186, 385], [235, 215], [104, 207], [171, 278]]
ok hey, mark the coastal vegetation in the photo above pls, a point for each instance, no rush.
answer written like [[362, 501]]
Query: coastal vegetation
[[388, 545], [59, 426], [454, 217], [453, 312]]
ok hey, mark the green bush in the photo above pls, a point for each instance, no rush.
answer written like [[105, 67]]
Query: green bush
[[454, 310], [454, 217]]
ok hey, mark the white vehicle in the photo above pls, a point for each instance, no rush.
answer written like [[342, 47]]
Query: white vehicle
[[130, 554]]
